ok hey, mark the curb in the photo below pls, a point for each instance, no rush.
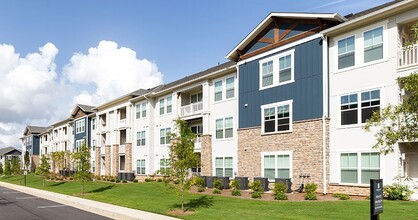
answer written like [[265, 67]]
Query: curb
[[100, 208]]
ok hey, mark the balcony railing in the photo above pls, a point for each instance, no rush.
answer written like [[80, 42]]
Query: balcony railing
[[408, 56], [122, 123], [198, 144], [121, 149], [191, 109], [102, 150]]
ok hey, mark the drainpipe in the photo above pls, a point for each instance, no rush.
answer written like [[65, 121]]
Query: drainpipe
[[325, 108]]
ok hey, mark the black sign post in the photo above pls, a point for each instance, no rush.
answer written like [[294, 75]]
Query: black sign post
[[376, 198]]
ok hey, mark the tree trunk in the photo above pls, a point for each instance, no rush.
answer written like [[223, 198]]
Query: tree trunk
[[182, 199]]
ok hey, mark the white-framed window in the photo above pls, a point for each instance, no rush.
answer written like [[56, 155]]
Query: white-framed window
[[165, 136], [93, 125], [140, 166], [277, 70], [224, 128], [169, 104], [140, 138], [359, 171], [346, 52], [195, 98], [141, 110], [277, 164], [80, 126], [218, 90], [166, 108], [230, 87], [277, 117], [349, 106], [93, 166], [94, 144], [164, 165], [373, 45], [162, 106], [79, 143], [224, 166]]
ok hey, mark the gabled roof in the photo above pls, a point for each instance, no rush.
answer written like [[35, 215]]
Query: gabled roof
[[34, 129], [234, 54], [5, 151], [85, 108]]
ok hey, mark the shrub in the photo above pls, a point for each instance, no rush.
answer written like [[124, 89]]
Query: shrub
[[279, 191], [310, 190], [112, 180], [216, 191], [217, 184], [71, 178], [280, 196], [159, 180], [200, 189], [124, 181], [177, 181], [341, 196], [234, 184], [135, 181], [256, 195], [197, 181], [236, 192], [118, 181], [149, 179], [397, 192]]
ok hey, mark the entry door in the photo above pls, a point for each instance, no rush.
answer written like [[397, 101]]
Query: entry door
[[412, 166]]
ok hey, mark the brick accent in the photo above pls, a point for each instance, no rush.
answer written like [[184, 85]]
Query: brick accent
[[115, 160], [128, 157], [108, 162], [206, 155], [98, 159], [350, 190], [305, 141]]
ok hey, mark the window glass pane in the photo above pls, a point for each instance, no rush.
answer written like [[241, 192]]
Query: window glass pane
[[285, 72], [373, 44], [228, 127], [162, 106], [269, 161], [366, 175], [219, 172], [219, 128], [283, 161], [138, 111], [230, 87], [218, 90], [283, 173], [228, 172], [169, 106], [144, 109], [349, 176], [267, 73]]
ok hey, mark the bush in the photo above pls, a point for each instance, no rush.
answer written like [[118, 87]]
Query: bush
[[118, 181], [256, 195], [310, 190], [135, 181], [397, 192], [124, 181], [341, 196], [234, 184], [279, 188], [159, 180], [149, 179], [197, 181], [200, 189], [256, 186], [217, 184], [280, 196], [236, 192], [177, 181], [112, 180], [216, 191]]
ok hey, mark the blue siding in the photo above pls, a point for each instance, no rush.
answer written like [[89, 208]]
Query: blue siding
[[35, 147], [306, 91], [82, 135]]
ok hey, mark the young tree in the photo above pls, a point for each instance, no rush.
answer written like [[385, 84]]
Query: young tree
[[26, 159], [82, 161], [7, 168], [15, 166], [397, 123], [43, 168], [1, 169], [182, 157]]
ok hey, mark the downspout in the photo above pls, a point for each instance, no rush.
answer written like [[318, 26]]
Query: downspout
[[324, 109]]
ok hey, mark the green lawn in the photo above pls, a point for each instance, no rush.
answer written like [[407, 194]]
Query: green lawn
[[155, 197]]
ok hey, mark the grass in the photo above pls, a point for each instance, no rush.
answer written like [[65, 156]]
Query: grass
[[155, 197]]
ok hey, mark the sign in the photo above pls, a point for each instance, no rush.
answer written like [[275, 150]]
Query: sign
[[376, 196], [25, 172]]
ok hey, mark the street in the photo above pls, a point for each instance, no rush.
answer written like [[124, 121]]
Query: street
[[17, 205]]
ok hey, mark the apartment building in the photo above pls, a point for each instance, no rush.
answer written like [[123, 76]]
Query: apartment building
[[8, 153], [31, 143], [366, 54]]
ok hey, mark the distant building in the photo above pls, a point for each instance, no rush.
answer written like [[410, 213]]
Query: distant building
[[31, 143], [9, 153]]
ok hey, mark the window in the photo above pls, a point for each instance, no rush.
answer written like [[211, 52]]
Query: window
[[164, 165], [140, 138], [223, 166], [169, 105], [93, 166], [165, 135], [373, 45], [277, 70], [94, 145], [350, 172], [141, 110], [140, 166], [79, 126], [276, 165], [277, 117], [370, 103], [195, 98], [346, 52], [349, 108], [162, 108], [224, 128], [79, 143], [230, 87], [218, 90], [93, 125]]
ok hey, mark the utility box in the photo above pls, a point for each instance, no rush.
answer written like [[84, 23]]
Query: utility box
[[286, 182], [264, 182], [243, 182]]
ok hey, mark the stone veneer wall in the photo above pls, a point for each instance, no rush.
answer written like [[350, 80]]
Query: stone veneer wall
[[115, 160], [206, 155], [107, 162], [305, 141], [35, 162], [350, 190], [128, 157], [98, 160]]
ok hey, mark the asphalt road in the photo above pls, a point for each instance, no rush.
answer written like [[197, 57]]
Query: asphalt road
[[15, 205]]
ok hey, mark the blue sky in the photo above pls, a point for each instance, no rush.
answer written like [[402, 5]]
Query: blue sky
[[54, 54]]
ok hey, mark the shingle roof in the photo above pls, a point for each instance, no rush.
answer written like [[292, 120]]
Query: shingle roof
[[370, 10], [6, 150], [36, 129], [195, 76], [86, 108]]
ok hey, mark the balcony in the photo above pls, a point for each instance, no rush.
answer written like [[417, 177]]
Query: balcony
[[198, 144], [191, 109], [102, 150], [408, 56], [121, 149], [122, 123]]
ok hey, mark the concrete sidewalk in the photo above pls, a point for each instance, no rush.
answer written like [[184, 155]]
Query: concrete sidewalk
[[100, 208]]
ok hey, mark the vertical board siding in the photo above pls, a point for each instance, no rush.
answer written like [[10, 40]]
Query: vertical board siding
[[306, 91], [35, 145]]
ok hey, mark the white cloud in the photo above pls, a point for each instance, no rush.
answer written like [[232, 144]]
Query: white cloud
[[112, 72]]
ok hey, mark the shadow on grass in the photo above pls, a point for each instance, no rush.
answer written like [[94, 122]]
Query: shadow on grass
[[56, 184], [193, 204], [101, 189]]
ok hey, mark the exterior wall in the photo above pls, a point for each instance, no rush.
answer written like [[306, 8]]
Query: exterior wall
[[108, 160], [305, 91], [115, 159], [380, 74], [97, 158], [128, 157], [206, 155]]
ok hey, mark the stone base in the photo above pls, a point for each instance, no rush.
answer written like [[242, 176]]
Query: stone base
[[115, 160], [107, 160], [350, 190], [98, 159], [206, 155], [128, 157]]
